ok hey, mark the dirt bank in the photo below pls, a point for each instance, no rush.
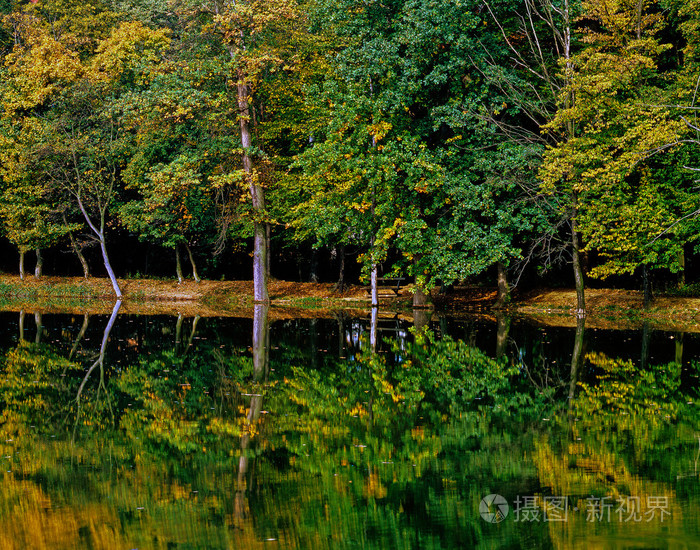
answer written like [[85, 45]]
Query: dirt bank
[[606, 308]]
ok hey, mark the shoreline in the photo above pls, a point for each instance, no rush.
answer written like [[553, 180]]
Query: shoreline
[[605, 307]]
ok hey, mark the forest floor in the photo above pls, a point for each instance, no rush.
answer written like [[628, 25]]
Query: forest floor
[[605, 307]]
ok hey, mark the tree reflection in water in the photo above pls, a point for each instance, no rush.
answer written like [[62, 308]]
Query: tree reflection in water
[[387, 443]]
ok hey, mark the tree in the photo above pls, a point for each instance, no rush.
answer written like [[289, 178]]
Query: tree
[[534, 79], [175, 209], [250, 31], [36, 71], [626, 195]]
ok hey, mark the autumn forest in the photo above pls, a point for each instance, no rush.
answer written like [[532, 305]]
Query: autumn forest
[[508, 140]]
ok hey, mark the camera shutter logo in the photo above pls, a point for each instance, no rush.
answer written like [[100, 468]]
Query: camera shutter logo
[[493, 508]]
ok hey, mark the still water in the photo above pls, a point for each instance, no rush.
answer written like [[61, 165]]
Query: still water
[[168, 432]]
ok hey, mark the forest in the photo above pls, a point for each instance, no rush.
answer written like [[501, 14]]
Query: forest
[[506, 140]]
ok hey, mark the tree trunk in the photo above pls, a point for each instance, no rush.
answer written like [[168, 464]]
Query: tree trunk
[[21, 324], [81, 258], [638, 18], [268, 255], [194, 266], [503, 290], [178, 265], [108, 267], [313, 343], [313, 271], [100, 234], [21, 265], [38, 268], [679, 348], [39, 327], [576, 357], [78, 252], [646, 283], [373, 286], [260, 233], [340, 285], [421, 318], [261, 358], [341, 334], [178, 331], [421, 298], [502, 330], [578, 271], [193, 331], [644, 355], [103, 347], [81, 334]]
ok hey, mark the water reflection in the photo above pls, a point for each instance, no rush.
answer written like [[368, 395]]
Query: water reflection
[[377, 432]]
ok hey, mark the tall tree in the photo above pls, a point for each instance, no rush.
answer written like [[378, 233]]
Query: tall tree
[[534, 80], [627, 196], [250, 32]]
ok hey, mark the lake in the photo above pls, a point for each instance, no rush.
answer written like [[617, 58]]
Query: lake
[[346, 431]]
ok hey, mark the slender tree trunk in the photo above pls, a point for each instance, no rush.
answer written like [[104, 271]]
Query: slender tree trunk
[[421, 299], [503, 289], [108, 267], [39, 327], [261, 358], [178, 331], [576, 357], [268, 254], [373, 322], [21, 324], [193, 331], [260, 233], [341, 334], [100, 234], [578, 271], [21, 265], [194, 266], [313, 271], [313, 342], [39, 267], [81, 258], [103, 347], [373, 287], [340, 285], [178, 265], [679, 348], [81, 334], [646, 335], [638, 18], [681, 273], [78, 252], [646, 283]]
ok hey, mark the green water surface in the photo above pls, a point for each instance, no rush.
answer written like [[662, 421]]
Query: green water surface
[[165, 432]]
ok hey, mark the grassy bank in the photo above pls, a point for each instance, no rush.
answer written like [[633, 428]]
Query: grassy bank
[[163, 295], [604, 306]]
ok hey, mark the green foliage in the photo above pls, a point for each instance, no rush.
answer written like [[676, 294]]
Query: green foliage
[[435, 138]]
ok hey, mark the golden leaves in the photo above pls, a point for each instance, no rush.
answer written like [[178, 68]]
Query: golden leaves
[[129, 45]]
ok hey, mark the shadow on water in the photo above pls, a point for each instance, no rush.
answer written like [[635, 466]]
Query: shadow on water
[[382, 431]]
